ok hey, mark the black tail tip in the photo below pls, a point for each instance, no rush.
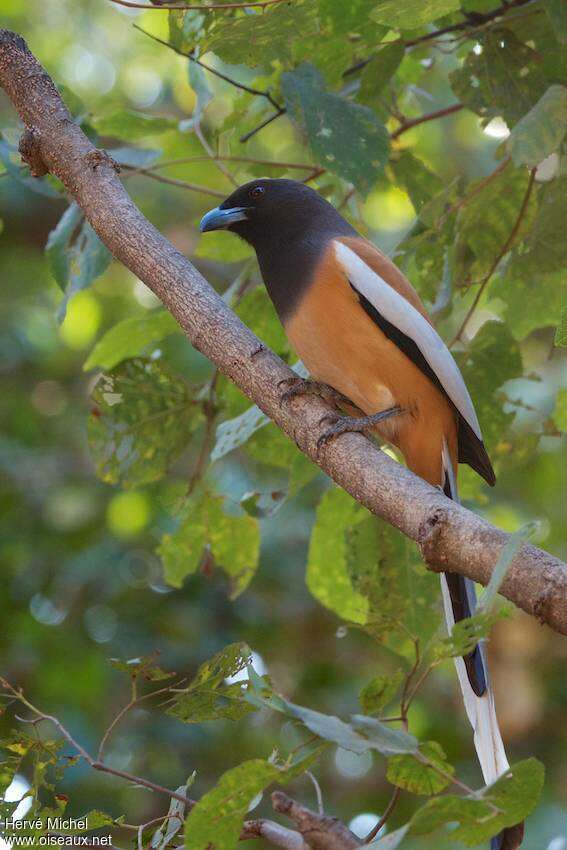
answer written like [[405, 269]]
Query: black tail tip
[[509, 839]]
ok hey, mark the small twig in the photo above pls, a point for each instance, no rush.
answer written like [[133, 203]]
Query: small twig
[[211, 154], [280, 111], [387, 812], [478, 188], [318, 792], [188, 160], [172, 181], [410, 123], [466, 25], [502, 253], [201, 7], [209, 68], [209, 411]]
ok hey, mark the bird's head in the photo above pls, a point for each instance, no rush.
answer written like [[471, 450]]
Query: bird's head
[[270, 209]]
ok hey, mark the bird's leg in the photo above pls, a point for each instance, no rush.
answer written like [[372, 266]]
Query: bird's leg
[[345, 424], [304, 386]]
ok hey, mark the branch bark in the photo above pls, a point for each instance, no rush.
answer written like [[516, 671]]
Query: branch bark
[[450, 536]]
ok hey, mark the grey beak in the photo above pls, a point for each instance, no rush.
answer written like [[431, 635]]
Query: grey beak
[[218, 219]]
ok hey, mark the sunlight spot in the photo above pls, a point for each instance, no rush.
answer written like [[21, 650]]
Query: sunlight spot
[[242, 676], [363, 823], [353, 765], [548, 168], [477, 49], [14, 792], [497, 129]]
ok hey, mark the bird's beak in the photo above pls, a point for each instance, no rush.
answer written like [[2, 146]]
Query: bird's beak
[[219, 219]]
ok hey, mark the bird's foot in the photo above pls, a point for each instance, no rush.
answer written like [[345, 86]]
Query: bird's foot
[[349, 424], [303, 386]]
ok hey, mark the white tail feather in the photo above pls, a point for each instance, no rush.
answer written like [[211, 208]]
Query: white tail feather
[[480, 710]]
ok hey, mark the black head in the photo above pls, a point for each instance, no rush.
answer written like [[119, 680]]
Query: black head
[[277, 211], [289, 225]]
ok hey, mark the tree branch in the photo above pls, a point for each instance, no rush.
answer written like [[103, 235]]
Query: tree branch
[[450, 536]]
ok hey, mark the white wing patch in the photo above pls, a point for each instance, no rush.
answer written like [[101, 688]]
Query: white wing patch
[[399, 312]]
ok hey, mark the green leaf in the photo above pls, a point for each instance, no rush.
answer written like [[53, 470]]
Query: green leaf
[[131, 338], [75, 254], [260, 39], [492, 359], [542, 130], [380, 691], [327, 575], [544, 249], [504, 804], [15, 747], [417, 179], [142, 421], [466, 634], [413, 772], [557, 14], [361, 734], [135, 157], [382, 737], [144, 667], [351, 19], [507, 555], [486, 222], [206, 525], [216, 820], [58, 241], [209, 696], [235, 432], [345, 137], [402, 596], [10, 158], [561, 332], [132, 126], [560, 410], [301, 472], [379, 71], [185, 29], [504, 79], [413, 13]]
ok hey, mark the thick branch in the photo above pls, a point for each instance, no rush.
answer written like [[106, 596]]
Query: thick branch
[[451, 537], [319, 831]]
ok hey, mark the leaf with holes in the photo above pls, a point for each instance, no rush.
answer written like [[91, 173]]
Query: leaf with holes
[[504, 804], [205, 527], [380, 691], [504, 79], [346, 138], [142, 419], [216, 820], [209, 696]]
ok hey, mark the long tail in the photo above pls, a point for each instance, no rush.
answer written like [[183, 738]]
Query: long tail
[[459, 600]]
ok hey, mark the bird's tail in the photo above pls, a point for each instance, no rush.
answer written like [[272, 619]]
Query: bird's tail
[[459, 601]]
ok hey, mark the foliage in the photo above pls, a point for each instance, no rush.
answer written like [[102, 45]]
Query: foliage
[[351, 97]]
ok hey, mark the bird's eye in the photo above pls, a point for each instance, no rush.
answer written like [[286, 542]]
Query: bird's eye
[[256, 192]]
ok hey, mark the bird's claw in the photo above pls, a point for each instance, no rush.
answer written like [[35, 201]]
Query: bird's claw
[[350, 424], [304, 386]]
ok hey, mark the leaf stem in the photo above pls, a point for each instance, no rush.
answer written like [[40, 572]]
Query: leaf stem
[[503, 251]]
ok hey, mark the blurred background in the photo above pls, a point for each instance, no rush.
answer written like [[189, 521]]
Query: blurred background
[[80, 578]]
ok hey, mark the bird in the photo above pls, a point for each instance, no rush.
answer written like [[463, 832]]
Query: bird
[[363, 333]]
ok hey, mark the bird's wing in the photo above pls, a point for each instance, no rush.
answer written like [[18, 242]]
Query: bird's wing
[[403, 318]]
